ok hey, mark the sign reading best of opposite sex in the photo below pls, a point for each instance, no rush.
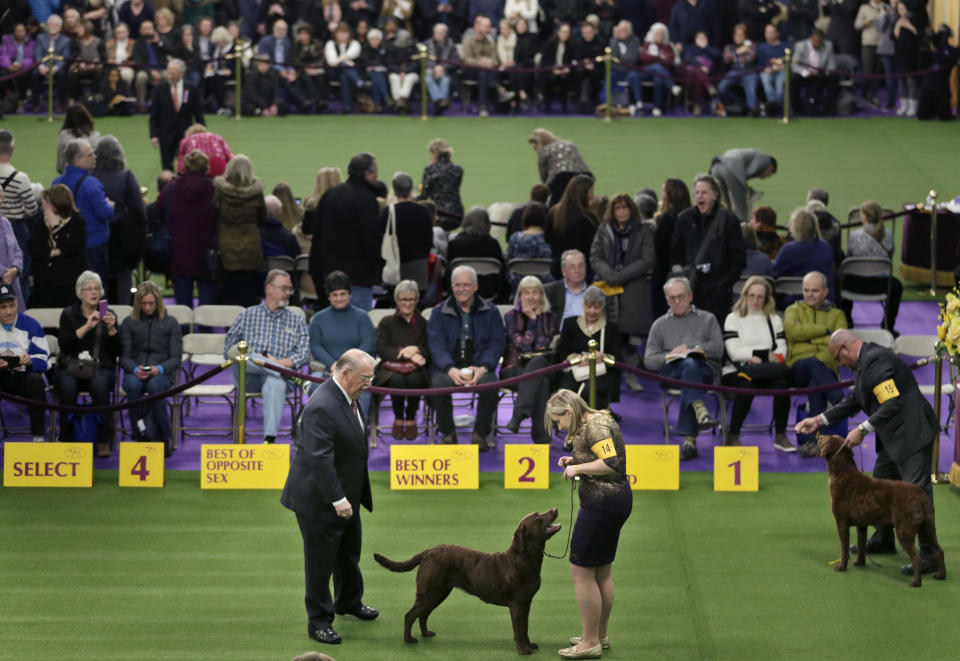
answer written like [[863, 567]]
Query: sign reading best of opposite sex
[[47, 464], [434, 467], [244, 466], [526, 466]]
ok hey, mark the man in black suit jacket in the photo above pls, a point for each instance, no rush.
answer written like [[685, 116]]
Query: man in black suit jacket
[[170, 117], [328, 482], [903, 419]]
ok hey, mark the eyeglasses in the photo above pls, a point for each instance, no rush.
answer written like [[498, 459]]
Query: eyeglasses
[[282, 288], [406, 300], [678, 298], [366, 378], [90, 288]]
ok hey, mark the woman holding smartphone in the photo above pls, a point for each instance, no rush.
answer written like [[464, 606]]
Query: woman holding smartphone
[[89, 327]]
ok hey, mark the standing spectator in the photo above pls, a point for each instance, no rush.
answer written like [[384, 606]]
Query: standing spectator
[[121, 186], [23, 358], [441, 183], [326, 179], [443, 51], [45, 70], [807, 252], [275, 334], [523, 10], [57, 246], [466, 338], [707, 246], [82, 329], [186, 204], [906, 49], [215, 147], [733, 168], [885, 51], [686, 344], [473, 241], [134, 13], [869, 22], [238, 200], [176, 105], [16, 56], [571, 224], [402, 338], [342, 53], [656, 57], [872, 240], [757, 15], [756, 351], [764, 223], [531, 327], [842, 33], [688, 17], [674, 198], [414, 228], [558, 161], [529, 243], [566, 295], [346, 230], [150, 358], [808, 325], [77, 123], [19, 204], [11, 259], [92, 201], [575, 339], [770, 57]]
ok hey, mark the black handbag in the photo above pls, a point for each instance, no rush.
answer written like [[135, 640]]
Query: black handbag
[[213, 265], [158, 252], [128, 234], [84, 369]]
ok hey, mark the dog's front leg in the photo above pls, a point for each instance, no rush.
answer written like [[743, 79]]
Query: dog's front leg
[[520, 615], [843, 529], [861, 547]]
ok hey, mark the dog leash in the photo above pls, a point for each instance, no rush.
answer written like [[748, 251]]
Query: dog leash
[[573, 488]]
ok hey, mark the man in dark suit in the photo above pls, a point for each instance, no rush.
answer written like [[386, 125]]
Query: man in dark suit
[[328, 482], [176, 105], [566, 295], [902, 418]]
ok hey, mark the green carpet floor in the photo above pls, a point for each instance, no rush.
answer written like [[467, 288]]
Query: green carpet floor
[[179, 573]]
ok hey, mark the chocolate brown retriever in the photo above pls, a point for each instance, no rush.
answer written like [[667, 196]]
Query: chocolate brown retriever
[[860, 500], [510, 578]]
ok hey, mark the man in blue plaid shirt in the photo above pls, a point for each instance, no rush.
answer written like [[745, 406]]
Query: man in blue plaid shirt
[[275, 334]]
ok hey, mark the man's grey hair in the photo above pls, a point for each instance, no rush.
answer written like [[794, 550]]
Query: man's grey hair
[[273, 275], [677, 280], [74, 149], [273, 205], [442, 26], [464, 268], [110, 156], [7, 143], [476, 221], [85, 279], [352, 359], [406, 287], [573, 252], [646, 205], [402, 184], [594, 296], [803, 225], [178, 63], [820, 194], [823, 279]]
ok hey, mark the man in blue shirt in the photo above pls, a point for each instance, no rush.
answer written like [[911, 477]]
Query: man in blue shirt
[[567, 294], [23, 357]]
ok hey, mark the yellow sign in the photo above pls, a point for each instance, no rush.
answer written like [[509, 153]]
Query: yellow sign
[[526, 466], [434, 467], [244, 466], [141, 465], [653, 467], [48, 464], [736, 468]]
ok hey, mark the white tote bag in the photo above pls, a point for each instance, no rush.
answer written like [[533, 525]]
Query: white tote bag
[[390, 249]]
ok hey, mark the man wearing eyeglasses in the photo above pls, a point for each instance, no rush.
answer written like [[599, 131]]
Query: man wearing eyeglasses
[[276, 334], [901, 417]]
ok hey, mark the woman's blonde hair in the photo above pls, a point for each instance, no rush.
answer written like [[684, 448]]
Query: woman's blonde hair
[[148, 287], [532, 282], [440, 147], [290, 212], [803, 225], [562, 401], [194, 129], [327, 178], [740, 307], [239, 171], [542, 137], [870, 214]]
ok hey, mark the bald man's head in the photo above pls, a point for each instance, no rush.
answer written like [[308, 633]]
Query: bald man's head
[[845, 347]]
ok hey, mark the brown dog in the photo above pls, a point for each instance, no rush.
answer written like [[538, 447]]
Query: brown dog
[[510, 578], [860, 500]]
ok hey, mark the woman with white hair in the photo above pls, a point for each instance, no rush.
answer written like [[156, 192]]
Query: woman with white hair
[[238, 199], [656, 58], [574, 339], [531, 327], [84, 330], [806, 252]]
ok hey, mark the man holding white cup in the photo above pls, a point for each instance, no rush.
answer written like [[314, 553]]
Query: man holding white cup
[[466, 338]]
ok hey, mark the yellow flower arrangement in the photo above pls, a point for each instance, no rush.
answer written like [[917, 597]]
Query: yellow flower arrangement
[[948, 330]]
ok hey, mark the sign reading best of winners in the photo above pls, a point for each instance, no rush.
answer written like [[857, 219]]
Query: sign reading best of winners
[[434, 467]]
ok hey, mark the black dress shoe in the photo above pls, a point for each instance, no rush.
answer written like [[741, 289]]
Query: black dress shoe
[[327, 636], [361, 613], [927, 566], [514, 425], [876, 547]]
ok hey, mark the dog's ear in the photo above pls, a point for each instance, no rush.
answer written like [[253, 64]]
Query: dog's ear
[[523, 530]]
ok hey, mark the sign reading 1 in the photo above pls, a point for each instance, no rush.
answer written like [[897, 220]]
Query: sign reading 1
[[736, 468]]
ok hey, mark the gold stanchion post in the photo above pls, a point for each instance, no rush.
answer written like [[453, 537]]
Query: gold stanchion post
[[607, 59], [49, 60], [237, 55], [592, 358], [422, 56], [240, 432], [932, 203], [787, 65]]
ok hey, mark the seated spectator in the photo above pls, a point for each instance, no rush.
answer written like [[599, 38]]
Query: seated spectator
[[404, 352], [466, 338], [441, 183], [656, 57], [566, 294], [57, 69], [276, 239], [152, 347], [214, 146], [403, 70], [806, 252], [701, 60], [442, 50], [220, 70], [307, 55], [474, 241], [756, 354], [117, 95], [89, 49], [414, 229], [808, 325], [757, 262], [120, 52], [261, 90], [539, 194], [373, 60], [150, 58], [771, 55], [590, 74], [740, 57], [686, 344], [529, 244], [575, 336], [85, 334], [342, 53], [77, 123], [817, 201], [571, 225], [764, 223], [23, 358], [519, 72], [16, 56], [277, 46], [813, 85], [57, 248], [558, 52], [238, 200], [872, 240], [276, 334], [531, 327], [479, 50]]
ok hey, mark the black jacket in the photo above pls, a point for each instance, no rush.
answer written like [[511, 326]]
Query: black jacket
[[887, 391], [70, 320], [150, 340], [168, 124]]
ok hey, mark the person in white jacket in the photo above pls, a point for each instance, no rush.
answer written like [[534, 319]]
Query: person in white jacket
[[341, 54], [756, 351]]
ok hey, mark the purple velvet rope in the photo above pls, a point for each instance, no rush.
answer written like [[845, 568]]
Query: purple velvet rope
[[149, 399]]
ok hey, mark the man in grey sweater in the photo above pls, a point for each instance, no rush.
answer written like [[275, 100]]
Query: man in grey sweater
[[733, 168], [687, 344]]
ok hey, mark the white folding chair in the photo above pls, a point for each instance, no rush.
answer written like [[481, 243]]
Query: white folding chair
[[923, 346], [216, 316]]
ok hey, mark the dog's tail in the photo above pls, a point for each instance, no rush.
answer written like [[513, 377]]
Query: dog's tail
[[406, 565]]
